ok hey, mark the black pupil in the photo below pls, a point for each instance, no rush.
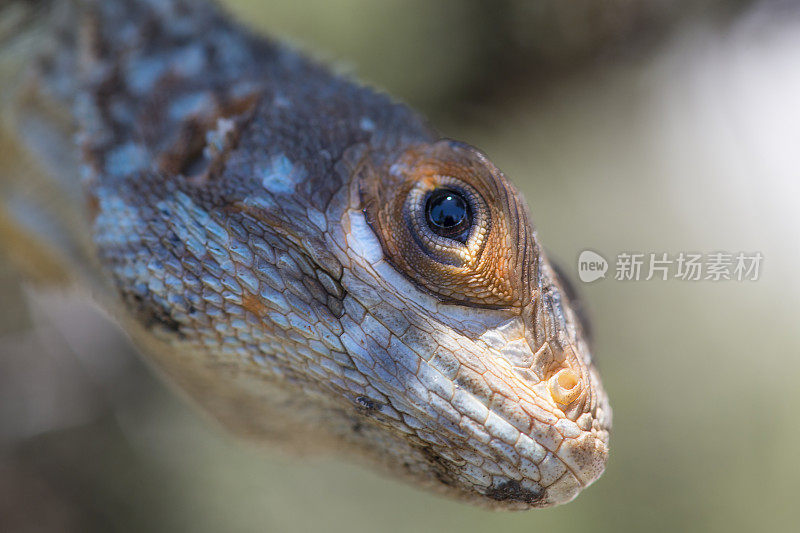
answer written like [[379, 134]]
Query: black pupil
[[448, 214]]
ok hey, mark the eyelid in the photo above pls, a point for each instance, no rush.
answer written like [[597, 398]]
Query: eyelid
[[494, 268]]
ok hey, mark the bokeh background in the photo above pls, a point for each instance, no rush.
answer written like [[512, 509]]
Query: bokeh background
[[647, 126]]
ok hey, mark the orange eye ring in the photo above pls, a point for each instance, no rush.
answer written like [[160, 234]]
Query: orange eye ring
[[490, 262]]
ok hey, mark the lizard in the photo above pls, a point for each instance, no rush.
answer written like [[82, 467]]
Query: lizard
[[302, 257]]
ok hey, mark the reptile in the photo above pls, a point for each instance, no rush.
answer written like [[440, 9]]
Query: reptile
[[305, 259]]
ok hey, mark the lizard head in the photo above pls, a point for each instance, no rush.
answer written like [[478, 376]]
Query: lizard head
[[492, 373], [399, 308]]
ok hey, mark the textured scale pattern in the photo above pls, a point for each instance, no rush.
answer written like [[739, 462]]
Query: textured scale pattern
[[244, 212]]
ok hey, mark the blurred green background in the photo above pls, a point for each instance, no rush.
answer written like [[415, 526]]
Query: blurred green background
[[630, 126]]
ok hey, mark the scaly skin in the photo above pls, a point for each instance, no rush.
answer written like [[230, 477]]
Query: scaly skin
[[254, 223]]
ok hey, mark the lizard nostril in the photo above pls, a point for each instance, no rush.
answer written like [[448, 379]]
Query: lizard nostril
[[565, 386]]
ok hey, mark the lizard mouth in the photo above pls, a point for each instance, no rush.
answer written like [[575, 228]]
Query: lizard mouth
[[542, 415], [547, 442]]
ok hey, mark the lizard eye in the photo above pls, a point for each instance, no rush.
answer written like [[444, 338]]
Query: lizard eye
[[447, 219], [448, 214], [450, 221]]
